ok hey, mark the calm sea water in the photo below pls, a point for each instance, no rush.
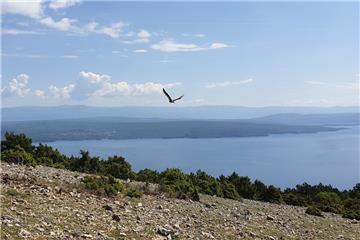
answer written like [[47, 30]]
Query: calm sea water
[[283, 160]]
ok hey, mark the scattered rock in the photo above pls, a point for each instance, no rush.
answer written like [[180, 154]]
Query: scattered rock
[[108, 208], [269, 238], [164, 231], [44, 214], [86, 236], [24, 233], [116, 217]]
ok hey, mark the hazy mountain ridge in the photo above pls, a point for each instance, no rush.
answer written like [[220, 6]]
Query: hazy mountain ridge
[[52, 130], [83, 123], [311, 119], [200, 112]]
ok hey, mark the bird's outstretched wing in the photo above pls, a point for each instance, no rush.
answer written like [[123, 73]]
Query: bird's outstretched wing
[[167, 95], [178, 98]]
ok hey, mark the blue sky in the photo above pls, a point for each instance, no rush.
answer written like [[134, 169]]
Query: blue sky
[[119, 53]]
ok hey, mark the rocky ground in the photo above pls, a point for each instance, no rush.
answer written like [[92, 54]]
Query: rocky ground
[[48, 203]]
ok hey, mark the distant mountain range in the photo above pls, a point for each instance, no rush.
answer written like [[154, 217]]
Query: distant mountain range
[[85, 123], [86, 129], [201, 112], [334, 119]]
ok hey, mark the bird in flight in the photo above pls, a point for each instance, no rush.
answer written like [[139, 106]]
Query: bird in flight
[[170, 99]]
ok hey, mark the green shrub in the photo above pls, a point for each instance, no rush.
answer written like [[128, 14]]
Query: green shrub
[[118, 167], [14, 193], [133, 193], [259, 188], [243, 185], [328, 202], [102, 185], [228, 189], [13, 140], [294, 199], [46, 155], [148, 175], [272, 194], [44, 161], [177, 184], [314, 211], [352, 208], [205, 183], [17, 155]]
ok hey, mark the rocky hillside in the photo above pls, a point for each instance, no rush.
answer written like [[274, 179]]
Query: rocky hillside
[[48, 203]]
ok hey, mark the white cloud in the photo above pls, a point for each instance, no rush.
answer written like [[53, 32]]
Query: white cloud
[[17, 32], [104, 87], [125, 89], [140, 51], [70, 56], [113, 89], [143, 34], [65, 24], [61, 92], [138, 40], [59, 4], [24, 55], [316, 83], [33, 8], [114, 30], [228, 83], [95, 78], [39, 93], [17, 86], [200, 35], [218, 45], [169, 45]]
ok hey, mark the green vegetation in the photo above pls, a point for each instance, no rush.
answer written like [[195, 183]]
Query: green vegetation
[[314, 211], [133, 193], [18, 149], [14, 193], [103, 185]]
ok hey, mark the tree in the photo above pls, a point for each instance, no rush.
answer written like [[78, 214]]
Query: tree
[[228, 189], [147, 175], [12, 140], [328, 202], [205, 183], [272, 194], [177, 184], [118, 167], [259, 188], [48, 156], [243, 185]]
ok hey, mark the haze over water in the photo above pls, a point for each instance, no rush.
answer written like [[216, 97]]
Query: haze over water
[[282, 160]]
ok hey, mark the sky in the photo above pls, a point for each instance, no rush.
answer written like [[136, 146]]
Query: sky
[[234, 53]]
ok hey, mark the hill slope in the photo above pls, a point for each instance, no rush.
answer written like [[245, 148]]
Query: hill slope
[[44, 202]]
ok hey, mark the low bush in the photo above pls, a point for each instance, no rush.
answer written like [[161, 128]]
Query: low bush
[[314, 211], [133, 193], [17, 155], [103, 185]]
